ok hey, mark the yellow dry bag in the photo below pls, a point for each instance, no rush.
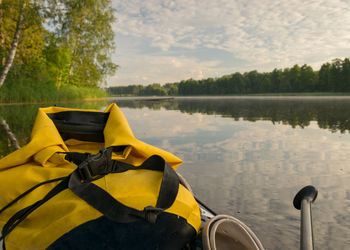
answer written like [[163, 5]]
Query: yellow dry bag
[[85, 182]]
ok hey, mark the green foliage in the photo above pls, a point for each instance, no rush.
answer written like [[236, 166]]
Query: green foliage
[[153, 89], [62, 44], [31, 40], [171, 89], [334, 77], [58, 59], [24, 91], [20, 119], [84, 27], [324, 81]]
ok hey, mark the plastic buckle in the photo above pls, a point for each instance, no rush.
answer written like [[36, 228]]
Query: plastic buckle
[[96, 165], [85, 171], [151, 213]]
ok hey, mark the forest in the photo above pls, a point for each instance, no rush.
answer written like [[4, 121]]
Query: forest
[[332, 77], [55, 49]]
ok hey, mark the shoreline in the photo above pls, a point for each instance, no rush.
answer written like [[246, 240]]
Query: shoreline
[[166, 98], [170, 98]]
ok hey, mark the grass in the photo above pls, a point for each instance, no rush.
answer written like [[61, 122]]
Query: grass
[[43, 92]]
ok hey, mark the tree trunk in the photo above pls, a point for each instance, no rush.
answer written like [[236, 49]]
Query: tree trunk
[[2, 35], [9, 133], [76, 46], [14, 44]]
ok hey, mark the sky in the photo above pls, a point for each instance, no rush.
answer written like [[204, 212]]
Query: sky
[[166, 41]]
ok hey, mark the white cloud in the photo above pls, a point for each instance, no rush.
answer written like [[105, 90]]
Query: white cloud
[[143, 69], [265, 34]]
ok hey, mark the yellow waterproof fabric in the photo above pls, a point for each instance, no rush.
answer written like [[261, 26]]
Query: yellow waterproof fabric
[[38, 161]]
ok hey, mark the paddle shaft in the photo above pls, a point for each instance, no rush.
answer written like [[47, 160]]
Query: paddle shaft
[[306, 234], [302, 201]]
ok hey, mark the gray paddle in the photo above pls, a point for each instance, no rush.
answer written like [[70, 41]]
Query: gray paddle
[[302, 201]]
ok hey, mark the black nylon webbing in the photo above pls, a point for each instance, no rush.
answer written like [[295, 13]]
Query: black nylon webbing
[[29, 191], [22, 214], [170, 181], [102, 200], [113, 209]]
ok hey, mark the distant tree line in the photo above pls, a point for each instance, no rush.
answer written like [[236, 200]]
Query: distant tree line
[[332, 77]]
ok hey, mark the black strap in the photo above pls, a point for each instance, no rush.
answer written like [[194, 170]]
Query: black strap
[[75, 157], [97, 166], [29, 191], [100, 164], [22, 214], [107, 205]]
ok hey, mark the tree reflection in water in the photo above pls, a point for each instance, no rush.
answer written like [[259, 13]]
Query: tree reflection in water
[[332, 114]]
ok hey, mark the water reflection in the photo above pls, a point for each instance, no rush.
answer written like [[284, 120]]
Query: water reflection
[[251, 170], [330, 113]]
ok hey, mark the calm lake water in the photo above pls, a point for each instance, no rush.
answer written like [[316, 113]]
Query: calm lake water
[[246, 157]]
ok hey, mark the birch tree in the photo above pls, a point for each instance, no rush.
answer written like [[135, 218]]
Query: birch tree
[[14, 44], [85, 27]]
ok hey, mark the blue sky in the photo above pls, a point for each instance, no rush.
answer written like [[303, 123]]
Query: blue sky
[[160, 41]]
